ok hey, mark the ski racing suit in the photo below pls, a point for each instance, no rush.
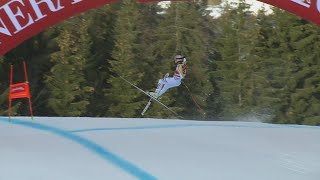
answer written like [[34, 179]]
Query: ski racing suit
[[169, 82]]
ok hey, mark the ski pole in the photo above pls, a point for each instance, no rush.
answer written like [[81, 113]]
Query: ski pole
[[194, 100]]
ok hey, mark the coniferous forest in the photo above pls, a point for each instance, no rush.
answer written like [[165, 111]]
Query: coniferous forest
[[241, 65]]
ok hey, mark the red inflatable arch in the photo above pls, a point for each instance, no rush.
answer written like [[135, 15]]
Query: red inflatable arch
[[22, 19], [307, 9]]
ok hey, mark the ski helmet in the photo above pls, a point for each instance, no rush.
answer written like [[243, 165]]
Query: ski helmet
[[178, 59], [178, 56]]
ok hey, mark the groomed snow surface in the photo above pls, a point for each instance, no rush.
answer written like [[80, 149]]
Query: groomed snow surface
[[55, 148]]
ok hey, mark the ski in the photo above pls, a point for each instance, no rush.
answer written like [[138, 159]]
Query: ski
[[147, 107], [156, 100]]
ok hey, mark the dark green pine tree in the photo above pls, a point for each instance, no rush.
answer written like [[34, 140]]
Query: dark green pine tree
[[285, 61], [69, 93], [149, 61], [125, 100], [38, 66], [150, 58], [185, 30], [305, 100], [101, 32], [236, 69], [267, 70]]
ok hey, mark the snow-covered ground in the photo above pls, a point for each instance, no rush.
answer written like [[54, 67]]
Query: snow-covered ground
[[123, 149]]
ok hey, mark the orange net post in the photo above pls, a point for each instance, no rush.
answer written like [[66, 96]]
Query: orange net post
[[19, 90]]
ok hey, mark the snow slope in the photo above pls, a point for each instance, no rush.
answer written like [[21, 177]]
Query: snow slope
[[124, 149]]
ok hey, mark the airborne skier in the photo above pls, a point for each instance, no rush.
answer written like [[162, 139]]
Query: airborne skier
[[165, 83], [169, 82]]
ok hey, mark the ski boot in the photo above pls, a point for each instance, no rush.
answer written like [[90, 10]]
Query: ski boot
[[154, 95]]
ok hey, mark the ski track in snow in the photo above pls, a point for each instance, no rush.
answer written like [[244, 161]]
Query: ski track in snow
[[290, 162], [123, 143]]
